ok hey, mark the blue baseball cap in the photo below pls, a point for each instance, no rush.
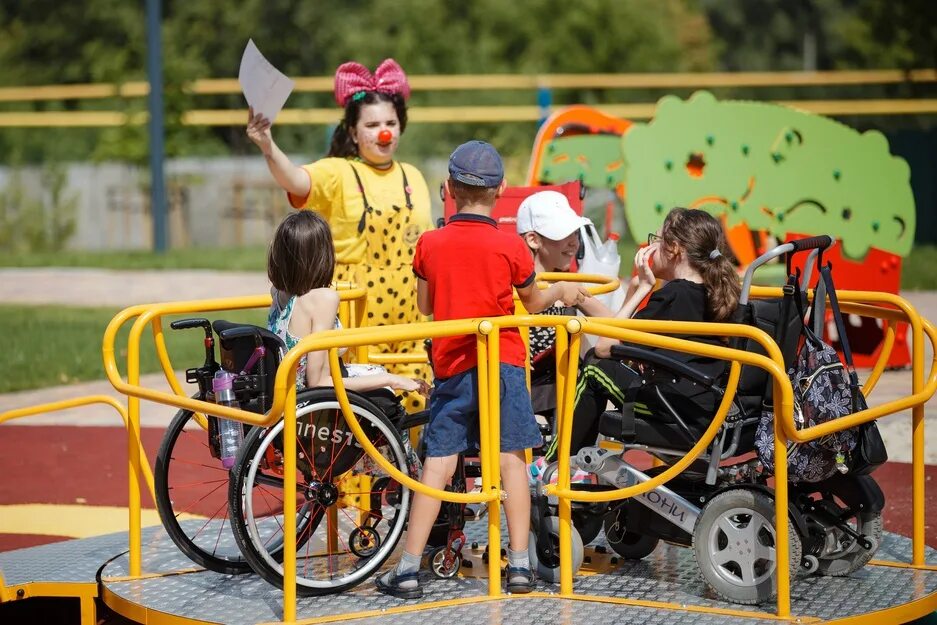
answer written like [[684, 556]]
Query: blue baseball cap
[[477, 164]]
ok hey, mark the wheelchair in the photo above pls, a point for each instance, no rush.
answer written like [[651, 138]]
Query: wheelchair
[[349, 513], [722, 506]]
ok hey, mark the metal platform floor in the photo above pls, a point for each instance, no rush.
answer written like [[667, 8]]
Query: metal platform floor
[[663, 588]]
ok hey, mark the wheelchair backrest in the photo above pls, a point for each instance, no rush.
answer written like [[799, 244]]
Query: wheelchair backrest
[[780, 321], [236, 345]]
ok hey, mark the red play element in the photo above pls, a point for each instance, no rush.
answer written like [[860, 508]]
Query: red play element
[[879, 271], [384, 136], [505, 210]]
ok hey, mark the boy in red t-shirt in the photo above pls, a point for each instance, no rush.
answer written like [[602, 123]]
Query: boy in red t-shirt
[[469, 269]]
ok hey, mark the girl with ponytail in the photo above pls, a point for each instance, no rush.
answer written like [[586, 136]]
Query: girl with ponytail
[[689, 253]]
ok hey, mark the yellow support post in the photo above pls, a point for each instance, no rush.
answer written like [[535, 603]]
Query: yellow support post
[[289, 498], [570, 360]]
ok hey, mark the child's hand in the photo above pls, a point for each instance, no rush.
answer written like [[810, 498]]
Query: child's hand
[[642, 265], [572, 294], [401, 383]]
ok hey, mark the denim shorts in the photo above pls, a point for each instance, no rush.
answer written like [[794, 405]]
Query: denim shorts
[[453, 414]]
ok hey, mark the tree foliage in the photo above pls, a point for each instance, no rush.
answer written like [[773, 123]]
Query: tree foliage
[[51, 42]]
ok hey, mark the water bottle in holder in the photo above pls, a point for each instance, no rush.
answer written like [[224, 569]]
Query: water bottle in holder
[[230, 433]]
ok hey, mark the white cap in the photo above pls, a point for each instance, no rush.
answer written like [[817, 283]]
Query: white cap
[[549, 214]]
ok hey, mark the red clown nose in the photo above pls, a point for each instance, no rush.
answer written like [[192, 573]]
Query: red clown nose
[[384, 136]]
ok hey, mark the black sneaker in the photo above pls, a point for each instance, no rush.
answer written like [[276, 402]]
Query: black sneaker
[[390, 584], [519, 580]]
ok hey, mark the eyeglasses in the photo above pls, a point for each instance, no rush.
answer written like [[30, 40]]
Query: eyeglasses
[[653, 238]]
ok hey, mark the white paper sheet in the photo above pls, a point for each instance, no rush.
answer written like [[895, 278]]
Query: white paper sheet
[[264, 86]]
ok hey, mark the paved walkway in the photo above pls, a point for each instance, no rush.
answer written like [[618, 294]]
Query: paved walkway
[[100, 287]]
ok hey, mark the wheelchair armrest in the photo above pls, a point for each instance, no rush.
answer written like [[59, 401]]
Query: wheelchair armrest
[[414, 420], [630, 352]]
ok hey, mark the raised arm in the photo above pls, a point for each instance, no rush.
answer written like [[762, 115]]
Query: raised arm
[[646, 282], [292, 178]]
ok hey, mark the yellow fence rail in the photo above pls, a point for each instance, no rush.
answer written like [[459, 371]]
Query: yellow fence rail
[[644, 332], [471, 82], [435, 114], [475, 82]]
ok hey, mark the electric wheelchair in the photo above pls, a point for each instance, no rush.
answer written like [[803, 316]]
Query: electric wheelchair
[[722, 505]]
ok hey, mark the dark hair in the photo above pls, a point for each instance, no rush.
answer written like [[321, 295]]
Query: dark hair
[[701, 234], [467, 194], [342, 144], [301, 256]]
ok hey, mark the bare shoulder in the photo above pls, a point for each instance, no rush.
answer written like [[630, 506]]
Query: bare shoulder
[[319, 300]]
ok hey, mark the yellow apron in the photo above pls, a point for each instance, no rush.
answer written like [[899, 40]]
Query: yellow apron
[[391, 234]]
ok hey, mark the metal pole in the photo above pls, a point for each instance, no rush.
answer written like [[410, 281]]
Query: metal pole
[[154, 71], [544, 101]]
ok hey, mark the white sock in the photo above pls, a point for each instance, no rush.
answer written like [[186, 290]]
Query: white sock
[[408, 563], [518, 559]]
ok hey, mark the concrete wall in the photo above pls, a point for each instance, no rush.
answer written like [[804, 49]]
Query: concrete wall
[[212, 202], [217, 202]]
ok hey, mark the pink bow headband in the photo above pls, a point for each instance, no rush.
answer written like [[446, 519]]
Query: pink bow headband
[[353, 78]]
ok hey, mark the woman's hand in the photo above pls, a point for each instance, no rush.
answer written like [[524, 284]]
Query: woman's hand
[[401, 383], [258, 131], [642, 266]]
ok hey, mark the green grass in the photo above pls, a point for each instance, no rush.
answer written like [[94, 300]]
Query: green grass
[[51, 346], [225, 259]]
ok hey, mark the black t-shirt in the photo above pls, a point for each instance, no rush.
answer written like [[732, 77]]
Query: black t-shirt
[[683, 300]]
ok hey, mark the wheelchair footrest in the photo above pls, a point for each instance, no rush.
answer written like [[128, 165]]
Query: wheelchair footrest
[[619, 424]]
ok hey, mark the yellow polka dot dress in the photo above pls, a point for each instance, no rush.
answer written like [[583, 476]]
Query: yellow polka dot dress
[[376, 217]]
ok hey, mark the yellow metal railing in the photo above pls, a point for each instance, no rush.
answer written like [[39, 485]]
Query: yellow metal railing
[[475, 82], [568, 338]]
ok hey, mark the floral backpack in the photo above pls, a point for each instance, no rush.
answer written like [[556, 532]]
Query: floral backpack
[[824, 389]]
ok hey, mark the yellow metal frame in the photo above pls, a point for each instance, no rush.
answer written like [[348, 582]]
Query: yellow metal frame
[[890, 308], [885, 306]]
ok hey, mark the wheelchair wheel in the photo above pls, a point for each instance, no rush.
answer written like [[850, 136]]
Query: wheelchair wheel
[[443, 564], [352, 514], [842, 555], [548, 566], [192, 497], [735, 546], [628, 544]]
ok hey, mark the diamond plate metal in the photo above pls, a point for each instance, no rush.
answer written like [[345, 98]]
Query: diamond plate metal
[[668, 575], [71, 561], [537, 611]]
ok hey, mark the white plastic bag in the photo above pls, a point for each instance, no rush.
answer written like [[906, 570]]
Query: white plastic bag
[[596, 261]]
